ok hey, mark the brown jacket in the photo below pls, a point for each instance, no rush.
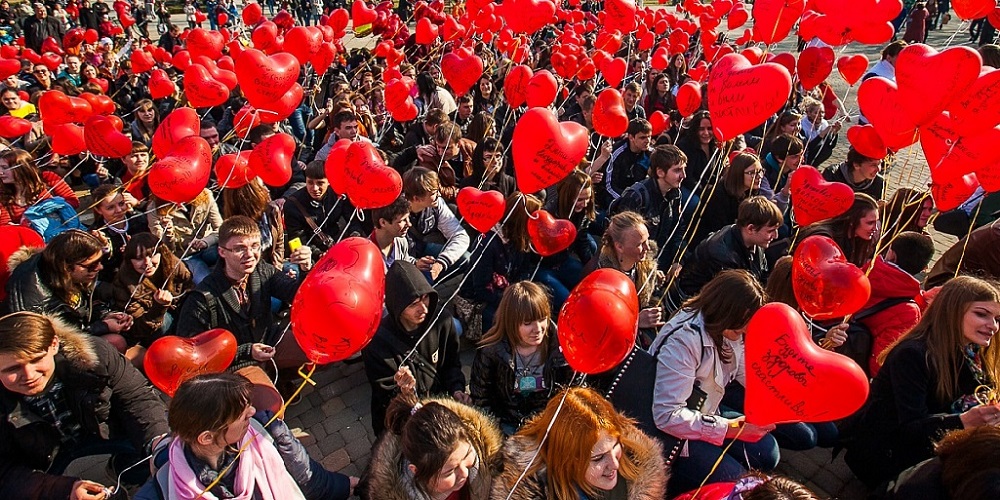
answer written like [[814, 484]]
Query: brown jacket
[[134, 295]]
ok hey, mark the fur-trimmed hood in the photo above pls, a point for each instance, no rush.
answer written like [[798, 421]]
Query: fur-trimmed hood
[[21, 256], [76, 346], [651, 484], [387, 480]]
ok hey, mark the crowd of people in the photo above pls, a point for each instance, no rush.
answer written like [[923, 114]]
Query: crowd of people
[[97, 267]]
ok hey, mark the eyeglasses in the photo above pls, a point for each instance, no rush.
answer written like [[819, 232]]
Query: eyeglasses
[[92, 267], [243, 249], [754, 173], [41, 71]]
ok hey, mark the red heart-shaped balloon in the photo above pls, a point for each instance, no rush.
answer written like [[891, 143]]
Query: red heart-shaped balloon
[[774, 19], [233, 170], [515, 85], [620, 15], [56, 107], [52, 61], [12, 127], [743, 96], [276, 111], [610, 119], [264, 36], [688, 98], [265, 79], [347, 288], [73, 38], [67, 138], [142, 61], [182, 60], [427, 31], [324, 58], [99, 104], [50, 44], [303, 43], [790, 379], [361, 14], [9, 67], [814, 199], [183, 173], [542, 89], [170, 360], [978, 109], [973, 9], [527, 16], [614, 71], [334, 166], [882, 105], [271, 159], [160, 84], [825, 284], [244, 120], [550, 236], [103, 140], [217, 71], [865, 140], [785, 59], [369, 182], [950, 154], [462, 69], [919, 77], [451, 30], [949, 193], [398, 101], [598, 321], [482, 209], [202, 90], [852, 67], [180, 123], [338, 20], [738, 16], [658, 121], [545, 150], [815, 64], [252, 13], [203, 42]]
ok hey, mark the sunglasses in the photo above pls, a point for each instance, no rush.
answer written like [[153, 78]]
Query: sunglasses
[[92, 267]]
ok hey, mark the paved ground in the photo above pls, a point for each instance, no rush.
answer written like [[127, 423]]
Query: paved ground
[[333, 417]]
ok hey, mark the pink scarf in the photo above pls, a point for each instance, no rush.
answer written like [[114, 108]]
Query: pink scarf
[[260, 467]]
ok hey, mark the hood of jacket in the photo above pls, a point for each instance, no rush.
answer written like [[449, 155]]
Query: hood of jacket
[[650, 484], [890, 282], [76, 346], [387, 480], [404, 283], [21, 256]]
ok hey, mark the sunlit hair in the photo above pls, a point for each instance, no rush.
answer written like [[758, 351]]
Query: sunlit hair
[[566, 453], [522, 302], [428, 435], [902, 213], [250, 200], [779, 283], [969, 459], [515, 230], [941, 328], [619, 225], [25, 335], [734, 180], [208, 403], [62, 253]]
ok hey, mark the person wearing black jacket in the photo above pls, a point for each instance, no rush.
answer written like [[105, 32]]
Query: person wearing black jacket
[[413, 322], [316, 215], [88, 16], [661, 200], [629, 160], [737, 246], [929, 383], [237, 296], [39, 27], [862, 173], [64, 395]]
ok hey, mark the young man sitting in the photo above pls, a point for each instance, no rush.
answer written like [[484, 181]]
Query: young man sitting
[[314, 215], [736, 246], [237, 296], [391, 224], [438, 238]]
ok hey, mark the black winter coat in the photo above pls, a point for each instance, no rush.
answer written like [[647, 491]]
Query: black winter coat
[[493, 381], [435, 365], [722, 250], [106, 395]]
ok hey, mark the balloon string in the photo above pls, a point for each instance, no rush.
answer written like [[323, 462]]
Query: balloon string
[[968, 236], [719, 460]]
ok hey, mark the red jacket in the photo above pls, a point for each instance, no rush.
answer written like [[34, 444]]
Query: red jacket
[[890, 282]]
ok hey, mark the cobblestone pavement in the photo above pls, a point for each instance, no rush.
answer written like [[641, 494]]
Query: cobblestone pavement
[[333, 417]]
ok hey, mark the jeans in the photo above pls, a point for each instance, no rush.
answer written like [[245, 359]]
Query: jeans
[[802, 436], [297, 121], [688, 472], [201, 263], [560, 280]]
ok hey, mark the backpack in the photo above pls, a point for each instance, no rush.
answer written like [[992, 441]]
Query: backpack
[[51, 216], [859, 342]]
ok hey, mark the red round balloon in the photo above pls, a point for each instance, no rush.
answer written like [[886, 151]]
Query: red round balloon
[[599, 321], [345, 288]]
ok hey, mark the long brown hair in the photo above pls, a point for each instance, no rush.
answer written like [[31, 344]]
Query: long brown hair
[[250, 200], [902, 213], [522, 302], [428, 434], [66, 250], [734, 180], [941, 328], [565, 454], [26, 177], [727, 303], [569, 190], [842, 228], [515, 230], [779, 283]]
